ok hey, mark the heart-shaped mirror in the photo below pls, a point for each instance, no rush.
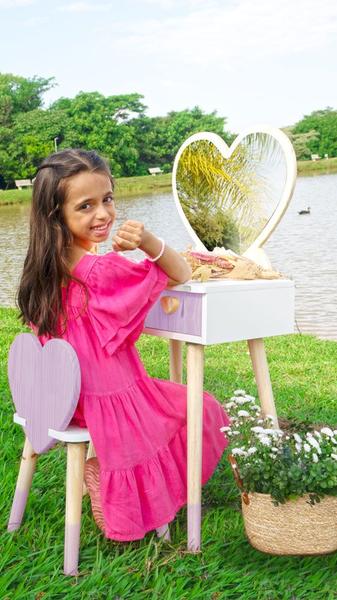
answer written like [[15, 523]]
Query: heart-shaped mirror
[[233, 197]]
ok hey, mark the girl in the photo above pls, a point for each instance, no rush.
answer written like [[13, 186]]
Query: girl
[[98, 304]]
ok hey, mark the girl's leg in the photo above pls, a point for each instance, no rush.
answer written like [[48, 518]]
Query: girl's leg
[[164, 532]]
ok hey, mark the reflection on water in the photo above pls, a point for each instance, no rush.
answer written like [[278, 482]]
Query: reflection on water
[[302, 247]]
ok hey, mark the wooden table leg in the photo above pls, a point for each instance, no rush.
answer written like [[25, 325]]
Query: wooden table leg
[[195, 380], [176, 361], [261, 370]]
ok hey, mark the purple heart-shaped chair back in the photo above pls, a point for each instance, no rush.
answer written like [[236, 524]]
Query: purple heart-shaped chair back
[[45, 382]]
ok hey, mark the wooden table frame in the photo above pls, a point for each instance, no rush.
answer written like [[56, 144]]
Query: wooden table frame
[[197, 314]]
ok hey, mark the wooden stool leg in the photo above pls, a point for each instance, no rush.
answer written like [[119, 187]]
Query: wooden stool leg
[[195, 379], [261, 370], [91, 452], [176, 361], [74, 487], [23, 485]]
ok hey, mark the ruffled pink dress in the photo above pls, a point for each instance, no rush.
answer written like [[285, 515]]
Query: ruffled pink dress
[[137, 423]]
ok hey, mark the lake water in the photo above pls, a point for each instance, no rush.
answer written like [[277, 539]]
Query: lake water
[[302, 247]]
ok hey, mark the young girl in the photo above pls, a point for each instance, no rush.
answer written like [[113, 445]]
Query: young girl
[[98, 304]]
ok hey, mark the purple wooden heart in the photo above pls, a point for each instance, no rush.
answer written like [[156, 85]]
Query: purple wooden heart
[[45, 382]]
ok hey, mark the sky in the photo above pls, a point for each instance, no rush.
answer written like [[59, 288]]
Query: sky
[[253, 61]]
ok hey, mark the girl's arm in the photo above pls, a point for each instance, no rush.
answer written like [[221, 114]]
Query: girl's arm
[[171, 262], [132, 235]]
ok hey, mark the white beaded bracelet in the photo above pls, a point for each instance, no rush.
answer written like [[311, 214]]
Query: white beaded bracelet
[[160, 253]]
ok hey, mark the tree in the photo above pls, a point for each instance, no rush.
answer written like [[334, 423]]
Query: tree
[[20, 95], [159, 138], [324, 123], [103, 124], [19, 98], [302, 142], [31, 140]]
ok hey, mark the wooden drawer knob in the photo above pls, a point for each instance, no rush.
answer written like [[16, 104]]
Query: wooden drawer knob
[[169, 304]]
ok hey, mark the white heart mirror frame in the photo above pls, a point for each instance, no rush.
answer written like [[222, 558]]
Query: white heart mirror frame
[[226, 151]]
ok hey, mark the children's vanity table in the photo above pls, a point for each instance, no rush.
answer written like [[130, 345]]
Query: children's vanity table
[[249, 186]]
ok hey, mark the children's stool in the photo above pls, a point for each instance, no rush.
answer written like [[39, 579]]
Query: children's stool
[[45, 382]]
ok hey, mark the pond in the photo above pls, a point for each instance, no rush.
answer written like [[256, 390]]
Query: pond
[[303, 247]]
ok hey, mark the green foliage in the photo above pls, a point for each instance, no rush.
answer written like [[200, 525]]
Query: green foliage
[[20, 95], [101, 123], [271, 461], [324, 123], [159, 138], [114, 126], [302, 142]]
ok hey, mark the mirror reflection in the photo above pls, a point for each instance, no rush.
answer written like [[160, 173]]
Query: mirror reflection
[[229, 201]]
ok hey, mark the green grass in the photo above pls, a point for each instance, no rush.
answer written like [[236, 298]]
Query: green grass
[[317, 167], [147, 184], [125, 186], [304, 375], [15, 196]]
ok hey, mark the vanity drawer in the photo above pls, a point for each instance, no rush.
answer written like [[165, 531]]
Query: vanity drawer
[[179, 312]]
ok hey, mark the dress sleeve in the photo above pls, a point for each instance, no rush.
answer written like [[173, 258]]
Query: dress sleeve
[[121, 293]]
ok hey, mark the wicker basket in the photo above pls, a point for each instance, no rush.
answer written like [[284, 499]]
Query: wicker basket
[[292, 528]]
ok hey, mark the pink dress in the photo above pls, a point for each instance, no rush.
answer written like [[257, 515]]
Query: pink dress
[[137, 423]]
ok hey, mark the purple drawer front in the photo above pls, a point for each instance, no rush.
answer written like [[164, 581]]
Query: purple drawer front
[[186, 319]]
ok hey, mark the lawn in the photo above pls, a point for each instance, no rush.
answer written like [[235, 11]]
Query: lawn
[[125, 186], [304, 375]]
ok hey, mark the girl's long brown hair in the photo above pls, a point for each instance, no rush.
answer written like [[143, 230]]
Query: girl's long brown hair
[[39, 295]]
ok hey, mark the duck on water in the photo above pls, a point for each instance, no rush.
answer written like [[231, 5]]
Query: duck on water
[[304, 211]]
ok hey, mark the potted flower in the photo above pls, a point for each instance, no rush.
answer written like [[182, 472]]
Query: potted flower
[[288, 481]]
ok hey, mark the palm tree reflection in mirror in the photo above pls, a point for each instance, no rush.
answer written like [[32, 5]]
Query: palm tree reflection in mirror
[[228, 201]]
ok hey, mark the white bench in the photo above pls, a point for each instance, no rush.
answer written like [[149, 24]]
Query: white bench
[[22, 183], [315, 157], [155, 171]]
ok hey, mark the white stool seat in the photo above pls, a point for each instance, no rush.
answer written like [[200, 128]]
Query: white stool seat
[[72, 434]]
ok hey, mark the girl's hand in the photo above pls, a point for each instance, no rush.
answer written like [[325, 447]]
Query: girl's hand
[[129, 236]]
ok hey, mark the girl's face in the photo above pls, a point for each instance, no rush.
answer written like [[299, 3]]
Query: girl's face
[[89, 208]]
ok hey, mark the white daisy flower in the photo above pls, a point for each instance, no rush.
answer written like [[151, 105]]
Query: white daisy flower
[[327, 431], [238, 452], [229, 405], [315, 457], [334, 456], [243, 413], [297, 438], [307, 447], [298, 447], [224, 428], [240, 400], [257, 429], [265, 440], [252, 450], [239, 393], [313, 442]]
